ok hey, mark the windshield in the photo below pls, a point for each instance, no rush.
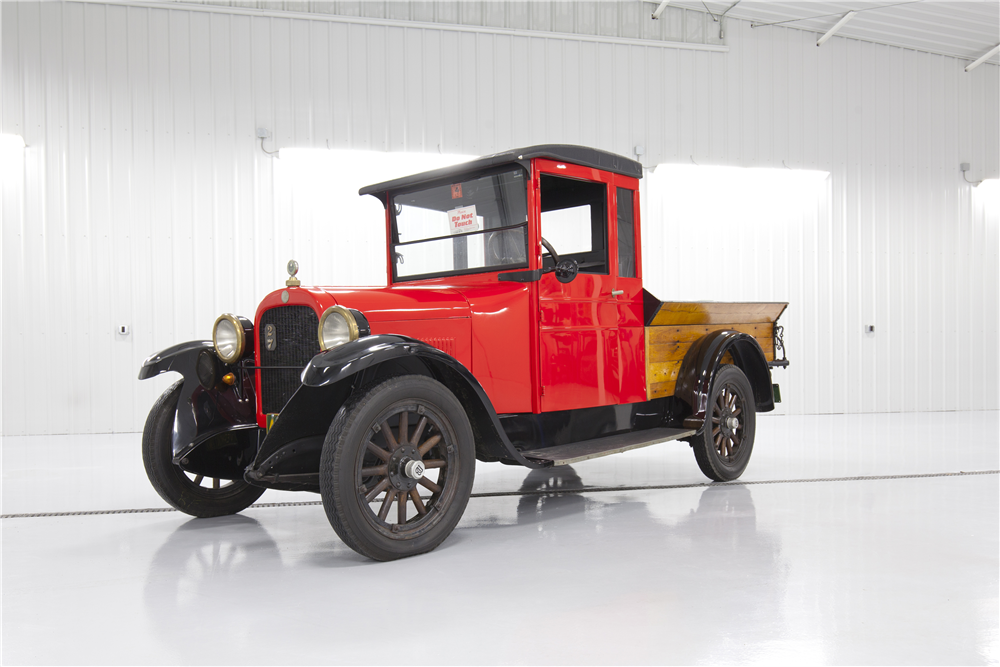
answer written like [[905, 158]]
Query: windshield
[[463, 227]]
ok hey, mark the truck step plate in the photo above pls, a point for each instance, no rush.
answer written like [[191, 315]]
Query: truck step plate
[[613, 444]]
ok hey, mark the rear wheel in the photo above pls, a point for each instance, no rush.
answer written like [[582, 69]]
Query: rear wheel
[[397, 467], [723, 449], [192, 494]]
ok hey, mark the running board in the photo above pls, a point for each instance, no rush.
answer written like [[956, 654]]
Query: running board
[[575, 452]]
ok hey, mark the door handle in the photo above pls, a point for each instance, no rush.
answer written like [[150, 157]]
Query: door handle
[[616, 292]]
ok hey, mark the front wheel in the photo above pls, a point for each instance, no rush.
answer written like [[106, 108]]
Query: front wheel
[[723, 449], [192, 494], [397, 467]]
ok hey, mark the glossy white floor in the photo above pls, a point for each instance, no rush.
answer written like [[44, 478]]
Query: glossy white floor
[[628, 559]]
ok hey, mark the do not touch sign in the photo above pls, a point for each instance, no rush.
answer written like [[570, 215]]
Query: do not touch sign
[[461, 220]]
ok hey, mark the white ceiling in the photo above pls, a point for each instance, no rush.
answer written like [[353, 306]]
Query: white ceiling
[[962, 28]]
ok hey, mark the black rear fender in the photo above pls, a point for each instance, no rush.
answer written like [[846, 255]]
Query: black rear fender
[[702, 360]]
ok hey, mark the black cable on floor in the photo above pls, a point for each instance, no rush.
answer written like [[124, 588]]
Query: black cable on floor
[[553, 492]]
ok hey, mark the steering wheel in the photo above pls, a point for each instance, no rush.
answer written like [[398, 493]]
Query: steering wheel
[[552, 251], [565, 269], [498, 251]]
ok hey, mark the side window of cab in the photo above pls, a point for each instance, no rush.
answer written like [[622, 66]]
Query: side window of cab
[[626, 233], [575, 221]]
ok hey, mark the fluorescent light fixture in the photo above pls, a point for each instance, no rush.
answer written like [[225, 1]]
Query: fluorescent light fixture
[[757, 196], [11, 156], [989, 188], [11, 142], [983, 58], [324, 166], [986, 198], [833, 31], [659, 8], [713, 212], [751, 179], [319, 211]]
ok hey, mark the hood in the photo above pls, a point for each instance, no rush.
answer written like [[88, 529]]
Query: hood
[[402, 303], [379, 304]]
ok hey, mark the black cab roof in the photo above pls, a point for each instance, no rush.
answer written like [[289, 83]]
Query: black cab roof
[[580, 155]]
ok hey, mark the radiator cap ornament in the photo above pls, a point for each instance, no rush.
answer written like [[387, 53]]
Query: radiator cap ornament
[[293, 268]]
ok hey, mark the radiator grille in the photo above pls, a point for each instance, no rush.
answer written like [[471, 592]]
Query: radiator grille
[[296, 342]]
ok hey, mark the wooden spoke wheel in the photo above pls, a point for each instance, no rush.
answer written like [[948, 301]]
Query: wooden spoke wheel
[[723, 449], [397, 467], [403, 460], [190, 493]]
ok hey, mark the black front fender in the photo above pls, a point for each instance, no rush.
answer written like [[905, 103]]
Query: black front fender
[[332, 366], [694, 382], [206, 407], [492, 443], [331, 376], [180, 358]]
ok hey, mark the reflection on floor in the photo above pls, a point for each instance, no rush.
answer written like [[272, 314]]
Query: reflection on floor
[[572, 568]]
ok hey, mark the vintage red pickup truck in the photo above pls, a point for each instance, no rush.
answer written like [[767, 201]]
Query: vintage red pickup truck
[[514, 328]]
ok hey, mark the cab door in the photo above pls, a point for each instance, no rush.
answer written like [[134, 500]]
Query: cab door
[[579, 321]]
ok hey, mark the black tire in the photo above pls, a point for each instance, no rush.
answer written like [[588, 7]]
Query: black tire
[[723, 449], [184, 491], [362, 468]]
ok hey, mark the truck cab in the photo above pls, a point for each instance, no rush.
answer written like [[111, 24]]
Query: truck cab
[[514, 327]]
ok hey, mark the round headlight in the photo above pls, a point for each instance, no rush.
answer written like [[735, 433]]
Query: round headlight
[[336, 327], [227, 334]]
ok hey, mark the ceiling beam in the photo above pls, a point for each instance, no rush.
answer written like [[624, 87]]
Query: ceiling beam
[[659, 8], [983, 58], [832, 31]]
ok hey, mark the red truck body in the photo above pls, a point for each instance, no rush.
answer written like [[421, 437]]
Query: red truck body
[[514, 327], [534, 347]]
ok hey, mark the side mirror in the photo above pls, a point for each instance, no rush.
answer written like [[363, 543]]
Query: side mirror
[[566, 270]]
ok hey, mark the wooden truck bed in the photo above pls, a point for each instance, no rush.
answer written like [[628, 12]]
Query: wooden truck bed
[[676, 325]]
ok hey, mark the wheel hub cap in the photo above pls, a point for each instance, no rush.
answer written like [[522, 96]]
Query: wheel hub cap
[[414, 469], [402, 472], [733, 423]]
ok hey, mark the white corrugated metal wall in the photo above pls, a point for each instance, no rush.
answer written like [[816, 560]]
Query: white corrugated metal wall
[[146, 199]]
